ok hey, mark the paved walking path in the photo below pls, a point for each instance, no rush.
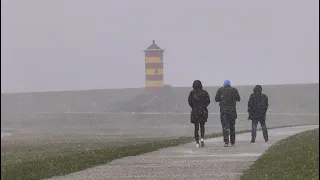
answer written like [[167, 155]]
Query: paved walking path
[[186, 162]]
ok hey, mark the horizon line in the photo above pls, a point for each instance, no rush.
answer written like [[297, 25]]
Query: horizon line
[[70, 90]]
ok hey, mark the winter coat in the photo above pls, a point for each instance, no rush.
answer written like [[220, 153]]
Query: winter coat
[[198, 100], [258, 104], [227, 97]]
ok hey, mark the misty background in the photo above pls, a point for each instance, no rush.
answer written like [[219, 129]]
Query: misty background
[[95, 48], [94, 44]]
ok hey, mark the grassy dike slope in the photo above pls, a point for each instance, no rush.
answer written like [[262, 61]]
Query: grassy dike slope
[[294, 158]]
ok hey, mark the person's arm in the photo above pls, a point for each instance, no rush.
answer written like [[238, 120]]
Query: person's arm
[[190, 100], [218, 98], [237, 96], [266, 103], [250, 107], [250, 104], [206, 98]]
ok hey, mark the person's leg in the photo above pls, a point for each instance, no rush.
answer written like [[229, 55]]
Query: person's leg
[[264, 130], [202, 130], [196, 132], [254, 130], [232, 123], [225, 127]]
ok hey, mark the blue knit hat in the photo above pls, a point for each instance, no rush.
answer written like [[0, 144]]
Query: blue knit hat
[[226, 83]]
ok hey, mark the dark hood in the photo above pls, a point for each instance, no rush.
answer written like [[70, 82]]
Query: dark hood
[[197, 85], [257, 89]]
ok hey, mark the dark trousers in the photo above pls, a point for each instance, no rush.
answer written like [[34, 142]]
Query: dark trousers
[[263, 127], [228, 122], [198, 125]]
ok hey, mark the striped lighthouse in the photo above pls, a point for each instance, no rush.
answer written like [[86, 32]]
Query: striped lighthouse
[[154, 67]]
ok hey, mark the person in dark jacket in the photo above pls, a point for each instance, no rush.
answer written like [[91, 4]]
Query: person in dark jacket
[[227, 97], [257, 109], [199, 100]]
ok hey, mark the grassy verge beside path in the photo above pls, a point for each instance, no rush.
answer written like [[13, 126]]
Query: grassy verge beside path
[[294, 158], [61, 164]]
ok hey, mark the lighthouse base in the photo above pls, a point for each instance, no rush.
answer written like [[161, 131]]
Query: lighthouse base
[[153, 89]]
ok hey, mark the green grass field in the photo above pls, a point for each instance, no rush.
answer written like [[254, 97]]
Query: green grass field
[[58, 163], [38, 162], [294, 158]]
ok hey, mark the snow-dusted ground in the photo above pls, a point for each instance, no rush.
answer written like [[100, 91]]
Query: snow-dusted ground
[[186, 162]]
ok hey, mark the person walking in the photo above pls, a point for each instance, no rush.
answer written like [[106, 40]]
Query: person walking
[[227, 97], [199, 100], [257, 108]]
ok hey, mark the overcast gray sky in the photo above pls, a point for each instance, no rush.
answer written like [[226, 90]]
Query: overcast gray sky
[[93, 44]]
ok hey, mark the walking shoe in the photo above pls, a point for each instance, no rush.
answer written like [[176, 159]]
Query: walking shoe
[[197, 145], [226, 145], [232, 144], [266, 140], [252, 141], [202, 142]]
